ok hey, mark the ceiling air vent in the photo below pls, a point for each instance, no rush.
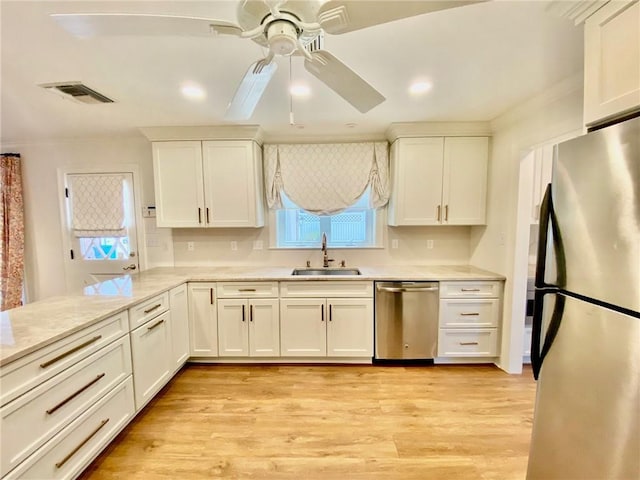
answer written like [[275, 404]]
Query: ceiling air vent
[[77, 91]]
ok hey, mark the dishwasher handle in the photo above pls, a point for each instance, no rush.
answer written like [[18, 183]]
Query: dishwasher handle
[[406, 289]]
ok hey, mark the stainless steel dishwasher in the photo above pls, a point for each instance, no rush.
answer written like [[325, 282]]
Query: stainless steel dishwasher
[[406, 319]]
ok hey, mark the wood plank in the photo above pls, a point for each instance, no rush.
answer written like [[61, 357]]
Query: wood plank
[[326, 422]]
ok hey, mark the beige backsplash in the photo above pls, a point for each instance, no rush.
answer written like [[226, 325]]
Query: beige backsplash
[[213, 247]]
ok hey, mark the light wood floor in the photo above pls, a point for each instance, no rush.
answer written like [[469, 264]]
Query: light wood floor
[[329, 422]]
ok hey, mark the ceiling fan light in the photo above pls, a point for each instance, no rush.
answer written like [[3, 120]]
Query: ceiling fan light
[[282, 37]]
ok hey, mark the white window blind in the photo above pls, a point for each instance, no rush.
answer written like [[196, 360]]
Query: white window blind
[[326, 178], [97, 205]]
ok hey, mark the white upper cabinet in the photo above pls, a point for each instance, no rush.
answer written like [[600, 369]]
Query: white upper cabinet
[[439, 181], [612, 61], [208, 184], [177, 173], [233, 184], [542, 167], [464, 181]]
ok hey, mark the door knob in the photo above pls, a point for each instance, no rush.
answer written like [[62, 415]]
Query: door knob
[[130, 267]]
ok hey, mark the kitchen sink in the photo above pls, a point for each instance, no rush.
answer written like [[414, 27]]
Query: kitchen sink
[[325, 271]]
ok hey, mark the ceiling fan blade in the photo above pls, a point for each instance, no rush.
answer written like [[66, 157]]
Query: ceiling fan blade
[[93, 24], [342, 16], [344, 81], [250, 90]]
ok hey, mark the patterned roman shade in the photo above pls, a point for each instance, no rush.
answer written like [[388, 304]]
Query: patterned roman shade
[[97, 205], [326, 178]]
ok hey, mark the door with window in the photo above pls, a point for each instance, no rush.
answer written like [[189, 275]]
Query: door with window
[[100, 228]]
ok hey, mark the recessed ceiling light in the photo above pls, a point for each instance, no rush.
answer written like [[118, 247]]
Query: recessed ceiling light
[[193, 91], [299, 90], [418, 88]]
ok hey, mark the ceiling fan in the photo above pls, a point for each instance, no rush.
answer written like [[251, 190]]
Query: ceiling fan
[[285, 27]]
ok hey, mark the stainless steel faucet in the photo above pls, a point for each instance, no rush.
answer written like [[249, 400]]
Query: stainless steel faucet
[[325, 256]]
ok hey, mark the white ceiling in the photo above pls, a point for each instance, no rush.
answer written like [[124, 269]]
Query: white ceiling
[[482, 59]]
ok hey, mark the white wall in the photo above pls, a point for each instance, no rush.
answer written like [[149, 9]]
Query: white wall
[[555, 112], [41, 160]]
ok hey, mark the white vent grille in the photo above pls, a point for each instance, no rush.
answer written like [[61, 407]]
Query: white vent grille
[[77, 91]]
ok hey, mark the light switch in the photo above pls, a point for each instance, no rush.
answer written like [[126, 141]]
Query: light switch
[[234, 245], [394, 243]]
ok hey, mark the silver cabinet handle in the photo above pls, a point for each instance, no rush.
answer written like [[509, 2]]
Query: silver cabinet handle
[[446, 213], [468, 343], [469, 289], [155, 307], [207, 210], [82, 444], [406, 289], [130, 267], [48, 363], [470, 314], [438, 210], [199, 215], [74, 395]]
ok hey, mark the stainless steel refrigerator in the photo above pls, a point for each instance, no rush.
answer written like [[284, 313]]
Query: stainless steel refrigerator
[[585, 348]]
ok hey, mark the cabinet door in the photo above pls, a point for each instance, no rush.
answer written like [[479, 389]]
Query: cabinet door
[[464, 194], [179, 305], [612, 61], [264, 327], [303, 331], [177, 173], [233, 329], [416, 169], [232, 184], [203, 323], [151, 355], [350, 327]]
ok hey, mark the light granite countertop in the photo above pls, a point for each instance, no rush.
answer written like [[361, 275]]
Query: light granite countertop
[[24, 330]]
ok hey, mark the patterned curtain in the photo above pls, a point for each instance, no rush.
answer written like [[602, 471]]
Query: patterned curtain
[[326, 178], [12, 242]]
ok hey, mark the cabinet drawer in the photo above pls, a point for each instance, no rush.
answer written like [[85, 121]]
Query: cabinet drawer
[[71, 450], [469, 289], [49, 407], [145, 311], [469, 312], [247, 289], [37, 367], [326, 289], [151, 355], [468, 342]]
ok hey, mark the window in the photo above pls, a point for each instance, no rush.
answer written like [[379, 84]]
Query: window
[[354, 227]]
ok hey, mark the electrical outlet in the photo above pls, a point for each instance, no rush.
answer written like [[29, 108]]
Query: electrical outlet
[[191, 246], [394, 243], [429, 244], [257, 245], [234, 245]]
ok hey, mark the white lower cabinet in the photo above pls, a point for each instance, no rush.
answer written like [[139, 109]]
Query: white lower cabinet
[[73, 448], [150, 351], [303, 331], [326, 327], [55, 403], [203, 319], [469, 319], [179, 304], [248, 327]]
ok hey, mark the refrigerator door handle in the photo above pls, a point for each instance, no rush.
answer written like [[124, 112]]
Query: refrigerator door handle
[[548, 217], [538, 354]]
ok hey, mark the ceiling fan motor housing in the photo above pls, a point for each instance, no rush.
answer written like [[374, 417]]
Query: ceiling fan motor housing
[[282, 37]]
